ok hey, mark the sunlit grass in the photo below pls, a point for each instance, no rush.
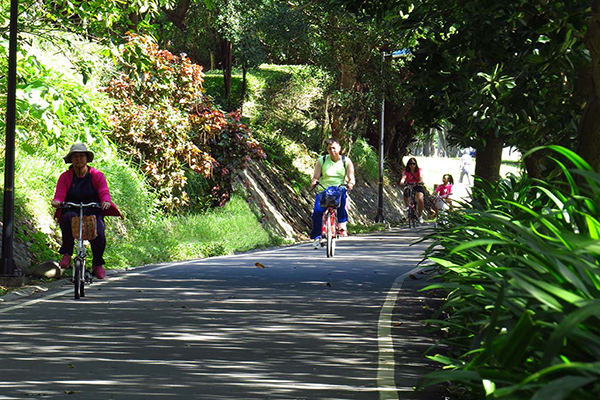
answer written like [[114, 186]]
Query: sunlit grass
[[233, 228]]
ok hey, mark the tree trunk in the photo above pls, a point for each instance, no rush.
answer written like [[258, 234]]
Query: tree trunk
[[177, 16], [488, 159], [227, 47], [589, 125], [427, 147], [533, 165], [399, 134], [134, 20], [244, 71], [442, 143]]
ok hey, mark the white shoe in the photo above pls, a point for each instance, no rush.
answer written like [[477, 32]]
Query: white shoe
[[316, 244], [420, 220]]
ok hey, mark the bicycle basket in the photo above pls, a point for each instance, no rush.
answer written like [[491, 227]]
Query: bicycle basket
[[89, 229], [330, 197]]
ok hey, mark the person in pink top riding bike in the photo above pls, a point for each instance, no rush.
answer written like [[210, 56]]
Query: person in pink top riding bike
[[82, 184], [413, 175]]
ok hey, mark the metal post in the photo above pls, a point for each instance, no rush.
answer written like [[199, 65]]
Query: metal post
[[8, 262], [393, 54], [379, 216]]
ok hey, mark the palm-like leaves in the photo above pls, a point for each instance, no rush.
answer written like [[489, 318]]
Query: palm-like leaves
[[521, 267]]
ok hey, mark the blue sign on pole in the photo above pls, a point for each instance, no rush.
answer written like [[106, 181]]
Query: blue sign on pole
[[400, 53]]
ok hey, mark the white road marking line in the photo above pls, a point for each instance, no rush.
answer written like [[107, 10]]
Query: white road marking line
[[386, 381]]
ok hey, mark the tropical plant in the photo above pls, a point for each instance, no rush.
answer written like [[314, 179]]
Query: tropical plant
[[522, 272], [165, 124]]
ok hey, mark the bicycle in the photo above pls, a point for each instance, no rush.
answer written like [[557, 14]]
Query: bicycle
[[442, 208], [80, 274], [411, 216], [330, 199]]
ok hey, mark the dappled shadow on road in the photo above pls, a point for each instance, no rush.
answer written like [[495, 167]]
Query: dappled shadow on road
[[302, 327]]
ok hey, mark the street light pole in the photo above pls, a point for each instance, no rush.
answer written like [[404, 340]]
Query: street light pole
[[8, 262], [379, 217], [393, 54]]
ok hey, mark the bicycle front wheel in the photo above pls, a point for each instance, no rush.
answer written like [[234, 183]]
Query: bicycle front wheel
[[78, 282], [330, 240], [412, 217]]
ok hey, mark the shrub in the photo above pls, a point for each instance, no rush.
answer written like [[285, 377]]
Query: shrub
[[365, 160], [165, 124], [522, 272]]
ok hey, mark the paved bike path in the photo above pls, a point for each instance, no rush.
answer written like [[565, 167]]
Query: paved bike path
[[276, 324]]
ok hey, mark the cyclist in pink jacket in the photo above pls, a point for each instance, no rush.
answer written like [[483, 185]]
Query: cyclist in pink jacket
[[82, 184]]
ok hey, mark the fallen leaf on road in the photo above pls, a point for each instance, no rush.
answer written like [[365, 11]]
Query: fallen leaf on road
[[259, 265], [398, 324]]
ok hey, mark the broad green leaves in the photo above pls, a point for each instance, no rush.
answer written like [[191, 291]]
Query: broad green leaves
[[522, 272], [53, 109]]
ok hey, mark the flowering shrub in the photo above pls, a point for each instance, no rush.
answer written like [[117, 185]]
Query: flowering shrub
[[163, 121]]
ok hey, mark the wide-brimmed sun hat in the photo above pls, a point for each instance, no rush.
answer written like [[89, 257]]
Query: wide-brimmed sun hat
[[79, 148]]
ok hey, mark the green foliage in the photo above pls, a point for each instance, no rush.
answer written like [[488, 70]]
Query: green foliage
[[366, 160], [163, 122], [34, 187], [215, 87], [95, 18], [521, 269], [502, 68], [129, 189], [173, 238], [53, 109], [291, 98], [284, 155]]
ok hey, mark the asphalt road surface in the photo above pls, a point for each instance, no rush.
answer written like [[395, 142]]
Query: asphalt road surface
[[284, 323]]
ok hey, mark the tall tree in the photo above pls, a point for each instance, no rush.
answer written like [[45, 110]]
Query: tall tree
[[589, 128], [503, 73]]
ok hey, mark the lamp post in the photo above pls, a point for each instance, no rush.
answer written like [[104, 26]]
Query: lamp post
[[393, 54], [8, 262]]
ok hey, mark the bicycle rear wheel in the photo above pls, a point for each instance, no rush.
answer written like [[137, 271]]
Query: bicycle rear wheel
[[330, 239]]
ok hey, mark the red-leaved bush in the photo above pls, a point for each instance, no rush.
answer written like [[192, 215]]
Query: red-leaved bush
[[164, 123]]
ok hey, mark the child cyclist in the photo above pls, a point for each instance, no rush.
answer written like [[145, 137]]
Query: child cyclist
[[331, 170], [442, 194]]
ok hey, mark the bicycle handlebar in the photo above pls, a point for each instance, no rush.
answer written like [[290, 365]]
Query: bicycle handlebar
[[68, 204], [320, 184]]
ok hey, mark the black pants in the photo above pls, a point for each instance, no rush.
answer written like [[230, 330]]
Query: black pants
[[68, 241]]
